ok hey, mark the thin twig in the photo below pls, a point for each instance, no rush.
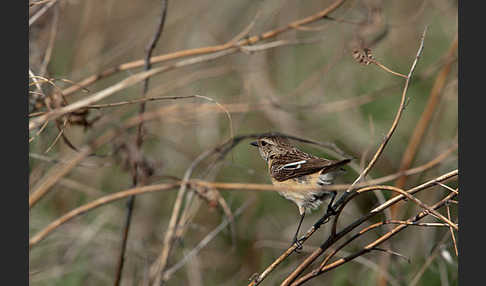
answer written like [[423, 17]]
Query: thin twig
[[130, 81], [447, 187], [65, 165], [347, 229], [414, 199], [426, 224], [392, 253], [307, 248], [227, 186], [54, 174], [327, 267], [426, 116], [388, 136], [400, 197], [139, 141], [138, 100], [55, 161], [207, 50], [387, 69], [204, 242], [41, 12], [160, 264], [395, 121], [246, 30], [33, 3], [334, 237], [95, 204], [50, 45], [225, 111], [427, 263], [125, 102], [31, 139], [61, 133], [451, 230], [35, 80]]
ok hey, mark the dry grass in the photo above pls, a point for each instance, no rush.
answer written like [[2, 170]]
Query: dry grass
[[221, 74]]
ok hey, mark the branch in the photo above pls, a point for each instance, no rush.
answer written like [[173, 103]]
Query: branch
[[139, 142], [424, 120], [159, 265], [226, 186], [397, 117], [347, 229], [206, 50], [203, 242], [129, 81], [377, 154], [336, 236], [327, 267]]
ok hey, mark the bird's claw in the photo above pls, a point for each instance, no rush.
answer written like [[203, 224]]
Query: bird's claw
[[331, 211], [299, 245]]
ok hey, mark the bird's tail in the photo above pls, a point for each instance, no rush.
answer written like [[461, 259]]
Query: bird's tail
[[336, 165]]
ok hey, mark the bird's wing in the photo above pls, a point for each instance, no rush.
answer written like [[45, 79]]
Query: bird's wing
[[284, 169]]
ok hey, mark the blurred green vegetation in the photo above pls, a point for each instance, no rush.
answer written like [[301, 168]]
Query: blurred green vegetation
[[292, 89]]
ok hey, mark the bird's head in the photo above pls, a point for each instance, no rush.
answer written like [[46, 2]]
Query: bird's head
[[271, 146]]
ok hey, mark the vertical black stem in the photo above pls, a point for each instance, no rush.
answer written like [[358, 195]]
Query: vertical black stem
[[330, 207], [128, 220], [139, 142], [298, 227]]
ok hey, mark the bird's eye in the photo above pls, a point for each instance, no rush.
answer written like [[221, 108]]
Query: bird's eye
[[264, 143]]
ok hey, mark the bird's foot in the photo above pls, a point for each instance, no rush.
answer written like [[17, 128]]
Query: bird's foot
[[331, 211], [299, 245]]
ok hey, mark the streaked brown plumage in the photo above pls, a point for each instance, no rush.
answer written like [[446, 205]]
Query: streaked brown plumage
[[289, 166]]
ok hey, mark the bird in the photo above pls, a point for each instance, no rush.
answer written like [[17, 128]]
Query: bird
[[289, 167]]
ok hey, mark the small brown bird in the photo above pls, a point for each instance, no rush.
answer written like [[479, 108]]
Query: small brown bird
[[289, 166]]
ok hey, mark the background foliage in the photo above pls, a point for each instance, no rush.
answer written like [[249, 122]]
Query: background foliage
[[313, 89]]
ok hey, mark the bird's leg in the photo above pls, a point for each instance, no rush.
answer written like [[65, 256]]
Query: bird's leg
[[296, 240], [330, 208], [330, 211]]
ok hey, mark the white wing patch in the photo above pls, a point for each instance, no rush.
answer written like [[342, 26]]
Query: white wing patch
[[294, 165]]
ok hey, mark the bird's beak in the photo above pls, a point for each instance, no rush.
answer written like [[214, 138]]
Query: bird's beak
[[254, 143]]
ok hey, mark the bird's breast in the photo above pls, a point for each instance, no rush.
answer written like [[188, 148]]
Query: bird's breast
[[305, 198]]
